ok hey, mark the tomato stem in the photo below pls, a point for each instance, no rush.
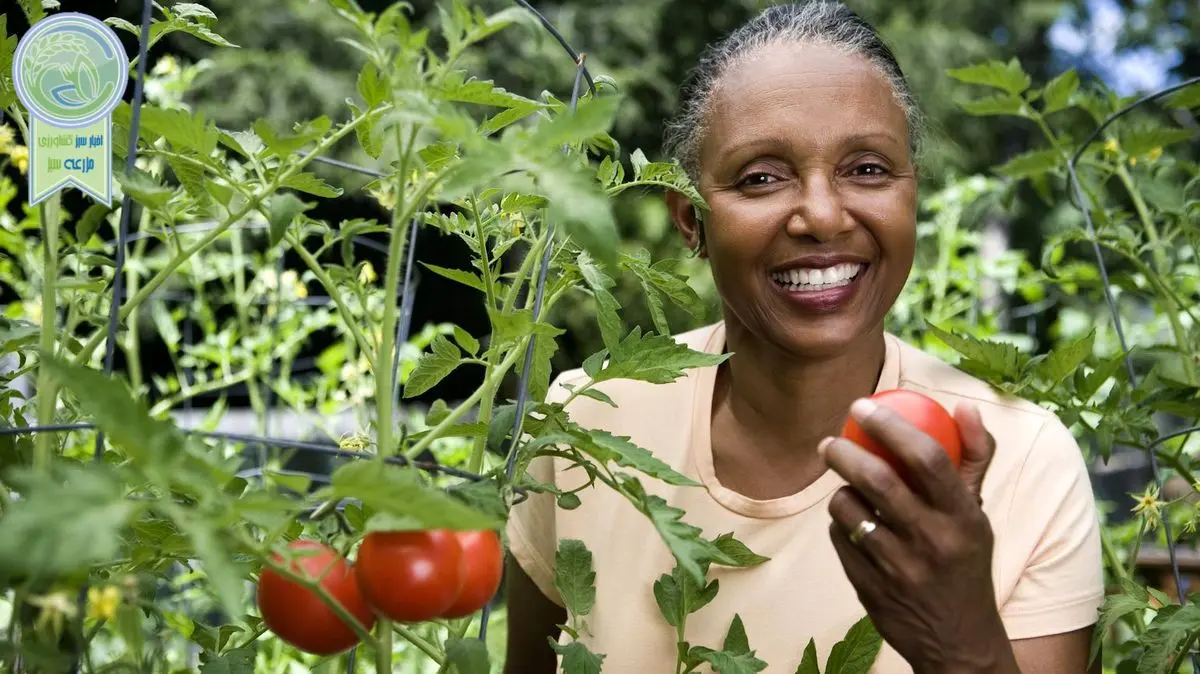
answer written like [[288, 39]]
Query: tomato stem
[[417, 640], [383, 648], [47, 392]]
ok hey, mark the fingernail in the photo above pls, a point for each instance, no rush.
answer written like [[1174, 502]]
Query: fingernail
[[824, 446], [862, 408]]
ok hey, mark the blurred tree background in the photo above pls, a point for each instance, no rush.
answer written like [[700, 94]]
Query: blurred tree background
[[290, 65]]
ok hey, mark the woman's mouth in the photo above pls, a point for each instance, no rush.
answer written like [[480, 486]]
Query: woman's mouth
[[802, 280]]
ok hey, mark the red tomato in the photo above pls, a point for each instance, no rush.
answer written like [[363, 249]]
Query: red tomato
[[483, 557], [922, 412], [297, 615], [410, 576]]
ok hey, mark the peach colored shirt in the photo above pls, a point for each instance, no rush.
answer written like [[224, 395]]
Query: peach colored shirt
[[1047, 564]]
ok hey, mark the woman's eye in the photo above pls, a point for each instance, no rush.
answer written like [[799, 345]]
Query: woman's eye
[[871, 170], [756, 180]]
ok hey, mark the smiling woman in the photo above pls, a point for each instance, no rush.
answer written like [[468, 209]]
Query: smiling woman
[[801, 135]]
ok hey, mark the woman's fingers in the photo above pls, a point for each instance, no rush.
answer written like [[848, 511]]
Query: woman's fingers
[[978, 446], [876, 482], [928, 465], [859, 526]]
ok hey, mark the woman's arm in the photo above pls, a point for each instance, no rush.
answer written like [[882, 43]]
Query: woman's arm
[[532, 621]]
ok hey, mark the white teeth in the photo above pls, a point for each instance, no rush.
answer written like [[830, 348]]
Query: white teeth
[[818, 279]]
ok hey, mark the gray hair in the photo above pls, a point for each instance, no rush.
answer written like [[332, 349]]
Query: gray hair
[[824, 22]]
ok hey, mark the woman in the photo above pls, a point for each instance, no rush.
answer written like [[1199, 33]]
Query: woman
[[800, 132]]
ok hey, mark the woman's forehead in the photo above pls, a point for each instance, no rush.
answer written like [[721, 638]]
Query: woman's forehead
[[790, 89]]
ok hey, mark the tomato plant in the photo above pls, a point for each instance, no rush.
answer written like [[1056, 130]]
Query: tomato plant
[[297, 614], [483, 562], [918, 409]]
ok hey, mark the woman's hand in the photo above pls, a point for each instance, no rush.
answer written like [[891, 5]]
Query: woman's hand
[[924, 572]]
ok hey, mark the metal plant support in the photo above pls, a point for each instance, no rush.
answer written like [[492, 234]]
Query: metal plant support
[[124, 238]]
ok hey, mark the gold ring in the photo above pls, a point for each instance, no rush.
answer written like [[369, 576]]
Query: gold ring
[[860, 532]]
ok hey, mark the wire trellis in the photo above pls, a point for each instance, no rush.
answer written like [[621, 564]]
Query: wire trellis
[[407, 293]]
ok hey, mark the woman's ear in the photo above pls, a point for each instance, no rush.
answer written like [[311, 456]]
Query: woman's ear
[[686, 221]]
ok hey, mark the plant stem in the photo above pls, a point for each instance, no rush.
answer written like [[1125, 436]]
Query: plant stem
[[47, 392], [1136, 548], [133, 340], [251, 204], [420, 642], [335, 293], [191, 391], [383, 651], [241, 306]]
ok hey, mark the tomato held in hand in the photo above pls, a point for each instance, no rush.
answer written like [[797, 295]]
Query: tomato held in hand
[[922, 412], [410, 576], [297, 615], [483, 558]]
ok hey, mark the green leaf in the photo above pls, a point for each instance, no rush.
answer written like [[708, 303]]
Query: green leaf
[[998, 104], [605, 447], [808, 663], [310, 183], [144, 188], [90, 223], [283, 210], [856, 653], [737, 551], [725, 663], [606, 305], [1188, 97], [469, 279], [580, 207], [574, 576], [989, 359], [1167, 635], [1116, 607], [68, 518], [283, 145], [1063, 360], [400, 492], [593, 116], [1058, 91], [457, 87], [234, 661], [1008, 77], [1030, 164], [679, 595], [577, 659], [544, 348], [692, 552], [225, 576], [372, 86], [467, 342], [183, 129], [469, 656], [658, 359], [1140, 140], [433, 366]]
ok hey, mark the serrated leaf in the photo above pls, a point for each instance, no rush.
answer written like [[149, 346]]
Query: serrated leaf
[[144, 188], [1166, 637], [998, 104], [997, 359], [605, 447], [856, 653], [607, 316], [738, 551], [725, 663], [68, 518], [310, 183], [234, 661], [1030, 164], [658, 359], [468, 656], [1188, 97], [1062, 361], [692, 552], [577, 659], [1058, 91], [90, 223], [469, 279], [1142, 140], [578, 205], [808, 663], [190, 174], [283, 210], [457, 87], [433, 366], [574, 576], [466, 341], [591, 117], [225, 576], [1008, 77], [400, 492], [372, 86], [1116, 607], [183, 129], [284, 144]]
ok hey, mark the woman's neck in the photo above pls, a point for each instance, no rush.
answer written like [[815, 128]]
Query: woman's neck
[[783, 405]]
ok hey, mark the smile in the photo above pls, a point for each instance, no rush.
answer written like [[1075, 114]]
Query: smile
[[816, 280]]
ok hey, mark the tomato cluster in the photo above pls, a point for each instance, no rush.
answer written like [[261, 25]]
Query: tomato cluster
[[922, 412], [405, 576]]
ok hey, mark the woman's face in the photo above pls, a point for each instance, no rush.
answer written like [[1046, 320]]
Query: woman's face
[[806, 167]]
